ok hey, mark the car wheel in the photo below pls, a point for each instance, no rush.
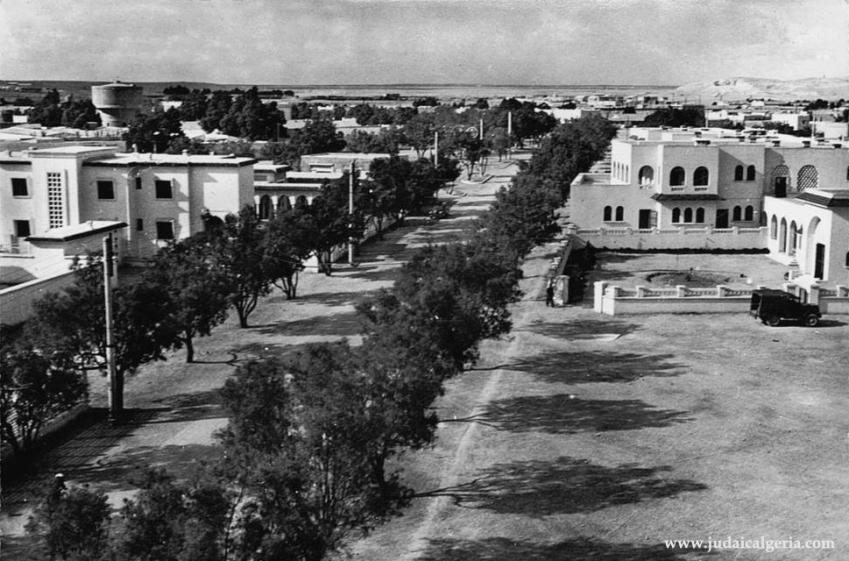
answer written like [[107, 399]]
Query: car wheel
[[811, 320], [772, 321]]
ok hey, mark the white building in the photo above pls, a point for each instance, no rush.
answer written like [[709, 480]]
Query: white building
[[719, 189], [159, 197]]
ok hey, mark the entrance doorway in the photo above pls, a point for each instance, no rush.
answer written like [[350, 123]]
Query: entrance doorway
[[780, 187], [722, 218], [647, 219], [819, 261]]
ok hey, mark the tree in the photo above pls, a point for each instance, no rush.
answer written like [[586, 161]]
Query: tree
[[389, 193], [33, 391], [295, 444], [168, 521], [419, 133], [72, 523], [154, 132], [315, 137], [69, 326], [248, 117], [197, 291], [329, 222], [237, 250], [287, 246], [217, 108], [194, 106], [671, 117]]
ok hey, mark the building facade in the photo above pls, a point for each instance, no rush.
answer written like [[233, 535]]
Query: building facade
[[665, 185], [158, 196]]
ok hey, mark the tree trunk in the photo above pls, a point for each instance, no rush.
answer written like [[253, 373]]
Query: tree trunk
[[190, 348]]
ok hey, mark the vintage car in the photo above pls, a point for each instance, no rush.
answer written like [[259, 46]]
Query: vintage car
[[772, 306]]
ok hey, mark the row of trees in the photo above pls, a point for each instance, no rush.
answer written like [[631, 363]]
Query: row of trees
[[52, 111], [308, 455], [189, 288]]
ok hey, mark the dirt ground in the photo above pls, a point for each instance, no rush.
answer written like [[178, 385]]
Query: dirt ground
[[586, 437]]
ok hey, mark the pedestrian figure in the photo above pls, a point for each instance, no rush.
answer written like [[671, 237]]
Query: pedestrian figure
[[549, 293], [57, 489]]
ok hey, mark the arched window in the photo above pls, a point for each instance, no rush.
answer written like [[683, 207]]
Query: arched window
[[646, 175], [773, 228], [283, 203], [750, 173], [301, 201], [676, 215], [780, 181], [700, 215], [265, 207], [677, 176], [608, 213], [749, 213], [782, 236], [791, 238], [738, 173], [847, 259], [808, 178], [735, 214], [620, 214], [701, 176], [688, 214]]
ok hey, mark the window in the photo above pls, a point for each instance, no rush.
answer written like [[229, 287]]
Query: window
[[782, 236], [265, 207], [676, 176], [620, 214], [105, 190], [738, 173], [163, 189], [847, 259], [749, 213], [608, 213], [688, 214], [700, 215], [138, 183], [847, 174], [19, 187], [736, 214], [773, 228], [22, 228], [792, 238], [646, 175], [55, 200], [139, 224], [750, 173], [164, 230], [701, 176], [676, 215], [808, 178]]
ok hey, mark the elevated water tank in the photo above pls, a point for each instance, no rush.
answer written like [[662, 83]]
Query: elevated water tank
[[117, 102]]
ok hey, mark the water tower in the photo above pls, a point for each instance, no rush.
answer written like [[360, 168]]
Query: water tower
[[117, 102]]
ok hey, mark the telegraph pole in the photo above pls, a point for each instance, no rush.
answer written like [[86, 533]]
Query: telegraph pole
[[351, 213], [480, 135], [436, 149], [116, 381], [509, 132]]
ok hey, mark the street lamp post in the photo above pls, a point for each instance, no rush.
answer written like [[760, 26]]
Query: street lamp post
[[116, 382], [351, 214]]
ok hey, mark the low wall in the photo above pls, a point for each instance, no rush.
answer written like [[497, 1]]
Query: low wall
[[16, 301], [677, 238], [613, 300]]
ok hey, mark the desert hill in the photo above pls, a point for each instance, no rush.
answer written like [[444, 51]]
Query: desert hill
[[739, 88]]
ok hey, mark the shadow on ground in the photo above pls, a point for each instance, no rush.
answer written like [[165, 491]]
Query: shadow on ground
[[565, 486], [586, 367], [566, 414], [338, 324], [580, 549], [124, 470], [581, 329]]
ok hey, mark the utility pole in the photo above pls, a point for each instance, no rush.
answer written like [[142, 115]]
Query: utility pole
[[116, 382], [436, 149], [351, 213], [509, 132], [480, 135]]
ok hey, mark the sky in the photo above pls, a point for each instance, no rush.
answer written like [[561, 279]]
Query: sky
[[532, 42]]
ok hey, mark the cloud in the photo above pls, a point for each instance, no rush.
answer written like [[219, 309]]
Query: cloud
[[392, 41]]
